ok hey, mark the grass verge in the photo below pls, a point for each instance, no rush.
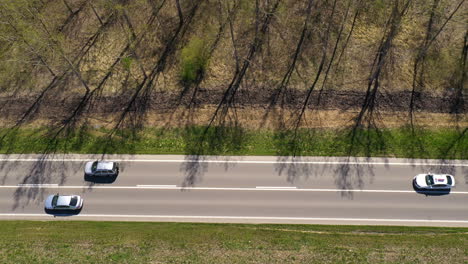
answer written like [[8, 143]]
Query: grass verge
[[443, 143], [130, 242]]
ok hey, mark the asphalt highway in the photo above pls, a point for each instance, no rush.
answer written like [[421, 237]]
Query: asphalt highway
[[237, 189]]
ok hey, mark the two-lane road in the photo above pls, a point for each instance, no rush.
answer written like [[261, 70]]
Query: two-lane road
[[238, 189]]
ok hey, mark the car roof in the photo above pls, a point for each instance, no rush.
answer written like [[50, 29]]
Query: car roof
[[436, 179], [64, 200], [105, 165], [439, 178]]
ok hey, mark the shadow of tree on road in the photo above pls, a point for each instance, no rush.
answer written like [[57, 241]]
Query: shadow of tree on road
[[202, 142], [49, 165], [42, 171]]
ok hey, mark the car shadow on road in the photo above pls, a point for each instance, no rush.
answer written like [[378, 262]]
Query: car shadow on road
[[100, 179], [62, 213], [431, 192]]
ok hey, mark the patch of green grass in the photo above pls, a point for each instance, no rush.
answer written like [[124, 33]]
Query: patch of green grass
[[127, 63], [125, 242], [193, 60], [403, 142]]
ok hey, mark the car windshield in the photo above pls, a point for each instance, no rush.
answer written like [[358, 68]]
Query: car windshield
[[449, 180], [54, 200], [74, 201], [94, 166], [429, 180]]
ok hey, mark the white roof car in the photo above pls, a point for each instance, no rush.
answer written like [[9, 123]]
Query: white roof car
[[434, 181], [63, 202], [101, 168]]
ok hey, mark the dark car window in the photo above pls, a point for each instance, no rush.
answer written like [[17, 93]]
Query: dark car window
[[54, 200], [449, 180], [429, 180], [74, 201], [94, 166]]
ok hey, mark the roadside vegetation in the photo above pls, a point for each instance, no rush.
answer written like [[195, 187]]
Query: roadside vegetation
[[124, 242], [68, 67], [440, 143]]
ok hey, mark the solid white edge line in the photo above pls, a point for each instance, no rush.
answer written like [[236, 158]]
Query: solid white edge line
[[276, 187], [174, 187], [248, 218], [156, 186], [37, 184], [257, 162]]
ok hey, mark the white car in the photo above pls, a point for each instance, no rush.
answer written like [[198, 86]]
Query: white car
[[101, 168], [63, 202], [431, 181]]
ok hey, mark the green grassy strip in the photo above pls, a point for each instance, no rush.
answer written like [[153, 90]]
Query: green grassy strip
[[125, 242], [402, 142]]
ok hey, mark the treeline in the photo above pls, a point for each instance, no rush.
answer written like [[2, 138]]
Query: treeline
[[95, 49], [133, 48], [117, 45]]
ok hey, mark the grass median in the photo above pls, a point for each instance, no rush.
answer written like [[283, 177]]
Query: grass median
[[442, 143], [130, 242]]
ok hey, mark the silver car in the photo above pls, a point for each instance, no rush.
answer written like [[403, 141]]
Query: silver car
[[63, 202], [101, 168], [430, 181]]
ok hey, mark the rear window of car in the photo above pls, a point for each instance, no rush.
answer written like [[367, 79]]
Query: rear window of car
[[74, 201], [429, 180], [449, 180], [94, 166]]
